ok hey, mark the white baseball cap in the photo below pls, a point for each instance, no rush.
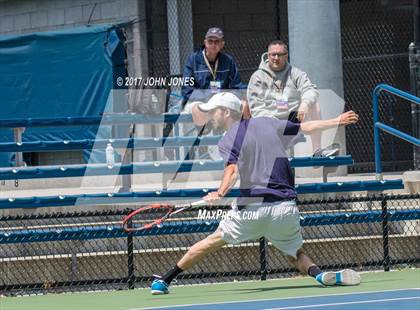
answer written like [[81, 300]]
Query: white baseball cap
[[223, 99]]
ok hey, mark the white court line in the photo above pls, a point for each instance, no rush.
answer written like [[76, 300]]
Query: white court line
[[270, 299], [343, 303]]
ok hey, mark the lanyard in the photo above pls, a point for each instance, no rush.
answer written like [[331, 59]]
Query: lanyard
[[213, 73]]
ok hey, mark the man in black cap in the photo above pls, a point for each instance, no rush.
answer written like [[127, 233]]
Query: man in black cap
[[211, 69]]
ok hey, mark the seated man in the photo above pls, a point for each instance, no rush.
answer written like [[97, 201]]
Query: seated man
[[210, 70], [278, 89]]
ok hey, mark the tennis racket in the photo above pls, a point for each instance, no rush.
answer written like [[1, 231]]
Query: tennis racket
[[147, 223]]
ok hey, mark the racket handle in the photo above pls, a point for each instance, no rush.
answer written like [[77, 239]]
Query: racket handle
[[199, 203]]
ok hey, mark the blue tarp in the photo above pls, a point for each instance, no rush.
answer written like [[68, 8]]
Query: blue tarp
[[59, 74]]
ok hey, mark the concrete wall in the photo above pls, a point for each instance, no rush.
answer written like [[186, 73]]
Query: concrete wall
[[25, 16], [91, 266]]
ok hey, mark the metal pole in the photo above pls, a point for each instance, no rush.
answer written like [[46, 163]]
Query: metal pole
[[130, 258], [416, 10], [414, 79], [149, 38], [263, 258], [376, 136], [385, 235], [278, 29]]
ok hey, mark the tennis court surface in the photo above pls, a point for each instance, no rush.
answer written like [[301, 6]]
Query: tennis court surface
[[379, 290]]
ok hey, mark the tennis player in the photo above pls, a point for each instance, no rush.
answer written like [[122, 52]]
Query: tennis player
[[255, 151]]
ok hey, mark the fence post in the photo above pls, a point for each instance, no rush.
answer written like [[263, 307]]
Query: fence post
[[130, 258], [263, 258], [415, 113], [385, 234], [128, 158]]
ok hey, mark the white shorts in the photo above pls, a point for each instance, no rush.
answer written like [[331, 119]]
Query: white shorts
[[278, 222]]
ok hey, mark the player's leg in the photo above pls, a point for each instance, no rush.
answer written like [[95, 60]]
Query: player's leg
[[201, 249], [284, 232], [192, 257], [237, 227], [305, 265]]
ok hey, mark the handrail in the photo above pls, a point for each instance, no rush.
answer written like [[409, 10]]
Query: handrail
[[113, 230], [182, 194], [391, 130], [150, 167], [106, 119], [130, 143]]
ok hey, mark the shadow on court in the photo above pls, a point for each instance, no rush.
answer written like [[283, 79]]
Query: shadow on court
[[268, 289], [381, 280]]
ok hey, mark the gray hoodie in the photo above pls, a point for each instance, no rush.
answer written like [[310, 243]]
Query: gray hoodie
[[277, 93]]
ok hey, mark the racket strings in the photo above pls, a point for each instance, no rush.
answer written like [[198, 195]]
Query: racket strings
[[154, 215]]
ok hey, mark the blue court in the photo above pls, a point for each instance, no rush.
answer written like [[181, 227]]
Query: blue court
[[406, 299]]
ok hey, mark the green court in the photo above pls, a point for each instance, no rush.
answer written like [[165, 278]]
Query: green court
[[213, 293]]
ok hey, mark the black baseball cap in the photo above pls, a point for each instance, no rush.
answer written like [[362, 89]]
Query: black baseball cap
[[214, 32]]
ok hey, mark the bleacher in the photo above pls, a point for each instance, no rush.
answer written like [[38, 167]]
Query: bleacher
[[151, 167]]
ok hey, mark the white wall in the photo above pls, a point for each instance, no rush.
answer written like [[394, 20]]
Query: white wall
[[25, 16]]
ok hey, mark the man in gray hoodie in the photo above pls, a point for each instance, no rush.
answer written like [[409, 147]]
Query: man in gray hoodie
[[278, 89]]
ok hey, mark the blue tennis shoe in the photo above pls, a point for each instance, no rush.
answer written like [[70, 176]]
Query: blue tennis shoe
[[343, 277], [159, 287]]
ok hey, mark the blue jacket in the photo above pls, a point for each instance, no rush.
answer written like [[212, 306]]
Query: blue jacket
[[227, 74]]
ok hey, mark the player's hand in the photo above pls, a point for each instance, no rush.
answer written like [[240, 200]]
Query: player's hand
[[212, 197], [348, 118]]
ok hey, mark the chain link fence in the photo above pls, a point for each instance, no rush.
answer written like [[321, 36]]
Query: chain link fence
[[375, 35], [55, 252]]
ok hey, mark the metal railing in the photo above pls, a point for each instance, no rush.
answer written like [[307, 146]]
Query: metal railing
[[388, 129]]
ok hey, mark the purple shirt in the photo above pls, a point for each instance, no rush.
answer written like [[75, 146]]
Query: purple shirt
[[258, 146]]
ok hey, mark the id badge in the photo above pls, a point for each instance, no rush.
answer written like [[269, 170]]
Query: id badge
[[281, 104], [215, 86]]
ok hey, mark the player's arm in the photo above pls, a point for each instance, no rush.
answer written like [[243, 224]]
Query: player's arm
[[230, 176], [342, 120], [200, 118]]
